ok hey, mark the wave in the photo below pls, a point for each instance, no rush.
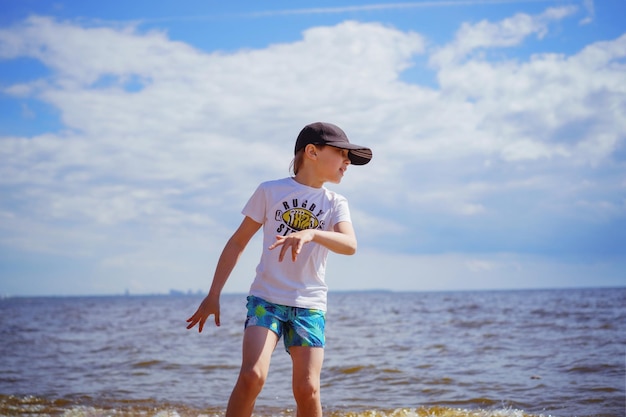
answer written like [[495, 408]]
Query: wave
[[90, 407]]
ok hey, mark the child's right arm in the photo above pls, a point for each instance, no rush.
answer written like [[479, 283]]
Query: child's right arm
[[228, 259]]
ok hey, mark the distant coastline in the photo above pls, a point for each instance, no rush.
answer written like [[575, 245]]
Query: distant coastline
[[201, 293]]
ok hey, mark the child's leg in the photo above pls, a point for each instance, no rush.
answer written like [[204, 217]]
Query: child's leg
[[307, 368], [258, 345]]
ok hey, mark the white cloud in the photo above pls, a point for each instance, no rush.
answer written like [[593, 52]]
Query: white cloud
[[162, 141], [529, 149], [506, 33], [549, 106]]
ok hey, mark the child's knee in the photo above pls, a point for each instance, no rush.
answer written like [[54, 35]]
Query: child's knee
[[252, 380], [306, 389]]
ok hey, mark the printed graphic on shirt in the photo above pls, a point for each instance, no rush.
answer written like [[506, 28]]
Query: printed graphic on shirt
[[298, 215]]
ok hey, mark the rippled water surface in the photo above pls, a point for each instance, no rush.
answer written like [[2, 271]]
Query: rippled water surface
[[510, 353]]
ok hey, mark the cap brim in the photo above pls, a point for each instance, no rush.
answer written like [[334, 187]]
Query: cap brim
[[359, 155]]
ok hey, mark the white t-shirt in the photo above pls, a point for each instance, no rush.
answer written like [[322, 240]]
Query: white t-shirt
[[285, 206]]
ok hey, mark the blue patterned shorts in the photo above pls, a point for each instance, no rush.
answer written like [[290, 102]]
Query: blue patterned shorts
[[298, 326]]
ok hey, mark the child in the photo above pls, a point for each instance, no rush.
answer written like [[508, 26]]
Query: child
[[301, 222]]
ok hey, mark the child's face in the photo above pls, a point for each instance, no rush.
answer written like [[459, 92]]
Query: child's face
[[332, 163]]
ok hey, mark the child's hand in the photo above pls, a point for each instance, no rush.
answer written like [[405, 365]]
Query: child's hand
[[295, 241], [210, 305]]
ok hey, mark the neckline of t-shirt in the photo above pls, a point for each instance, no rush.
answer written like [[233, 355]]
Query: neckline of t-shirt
[[322, 188]]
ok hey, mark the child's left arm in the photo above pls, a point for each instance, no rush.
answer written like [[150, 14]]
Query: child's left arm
[[341, 240]]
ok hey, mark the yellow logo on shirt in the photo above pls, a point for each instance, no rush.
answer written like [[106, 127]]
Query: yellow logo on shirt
[[300, 219], [297, 216]]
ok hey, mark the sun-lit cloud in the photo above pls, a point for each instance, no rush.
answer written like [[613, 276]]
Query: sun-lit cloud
[[162, 142], [506, 33]]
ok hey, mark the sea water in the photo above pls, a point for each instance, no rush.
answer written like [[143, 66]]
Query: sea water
[[483, 353]]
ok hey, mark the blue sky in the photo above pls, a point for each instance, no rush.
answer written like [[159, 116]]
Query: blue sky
[[132, 134]]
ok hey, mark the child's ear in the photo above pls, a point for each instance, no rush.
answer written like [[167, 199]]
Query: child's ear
[[311, 151]]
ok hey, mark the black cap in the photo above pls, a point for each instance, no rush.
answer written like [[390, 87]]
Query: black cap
[[328, 134]]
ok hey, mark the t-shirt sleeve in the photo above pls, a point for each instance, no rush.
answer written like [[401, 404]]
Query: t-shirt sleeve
[[256, 208], [341, 212]]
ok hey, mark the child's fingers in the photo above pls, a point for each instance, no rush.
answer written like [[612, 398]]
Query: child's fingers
[[281, 256], [279, 241], [294, 242], [193, 320]]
